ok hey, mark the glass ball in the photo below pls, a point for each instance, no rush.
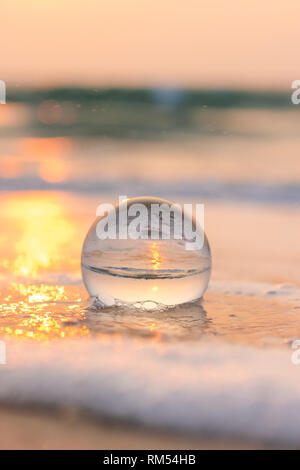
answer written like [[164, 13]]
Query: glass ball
[[133, 254]]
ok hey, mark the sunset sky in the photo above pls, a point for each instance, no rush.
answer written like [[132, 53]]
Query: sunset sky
[[214, 43]]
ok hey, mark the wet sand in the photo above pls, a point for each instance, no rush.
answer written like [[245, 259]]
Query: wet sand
[[26, 430]]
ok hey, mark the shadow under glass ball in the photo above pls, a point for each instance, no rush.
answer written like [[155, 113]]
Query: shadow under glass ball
[[149, 271]]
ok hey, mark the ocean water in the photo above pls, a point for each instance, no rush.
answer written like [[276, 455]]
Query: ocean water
[[225, 365]]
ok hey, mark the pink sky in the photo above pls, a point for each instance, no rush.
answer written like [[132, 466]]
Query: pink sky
[[150, 42]]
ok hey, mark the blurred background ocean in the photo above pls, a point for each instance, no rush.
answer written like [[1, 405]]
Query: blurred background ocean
[[189, 143]]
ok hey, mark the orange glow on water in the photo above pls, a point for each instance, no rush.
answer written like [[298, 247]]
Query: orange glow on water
[[11, 166], [42, 241], [14, 114], [30, 311], [37, 234], [41, 293], [39, 148], [156, 258], [42, 238], [53, 171], [48, 157]]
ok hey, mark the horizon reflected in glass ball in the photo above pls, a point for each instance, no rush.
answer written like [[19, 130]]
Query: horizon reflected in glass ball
[[145, 259]]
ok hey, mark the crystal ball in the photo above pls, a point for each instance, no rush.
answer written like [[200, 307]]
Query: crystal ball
[[147, 252]]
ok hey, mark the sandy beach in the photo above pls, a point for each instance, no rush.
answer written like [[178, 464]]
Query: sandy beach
[[72, 432]]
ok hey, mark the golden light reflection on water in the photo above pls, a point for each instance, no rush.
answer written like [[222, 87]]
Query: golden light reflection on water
[[42, 293], [38, 235], [41, 241], [42, 238], [42, 312], [46, 313], [156, 258]]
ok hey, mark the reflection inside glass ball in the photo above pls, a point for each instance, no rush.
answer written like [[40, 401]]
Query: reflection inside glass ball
[[147, 258]]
